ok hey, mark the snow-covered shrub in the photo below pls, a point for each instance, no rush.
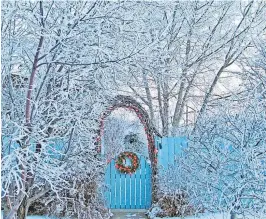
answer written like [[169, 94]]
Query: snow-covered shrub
[[83, 201], [66, 182], [174, 198], [175, 204], [225, 159], [77, 192]]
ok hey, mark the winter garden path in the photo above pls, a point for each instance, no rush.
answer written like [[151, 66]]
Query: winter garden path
[[129, 214]]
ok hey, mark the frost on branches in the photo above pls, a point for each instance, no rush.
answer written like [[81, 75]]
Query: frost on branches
[[223, 167], [63, 61], [225, 161], [123, 131], [55, 58]]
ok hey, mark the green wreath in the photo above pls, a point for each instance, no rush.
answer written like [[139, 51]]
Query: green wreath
[[120, 162]]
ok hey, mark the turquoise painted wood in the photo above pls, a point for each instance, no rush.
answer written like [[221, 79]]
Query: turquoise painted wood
[[117, 198], [123, 190], [137, 189], [133, 190], [113, 183], [128, 191], [171, 151], [148, 189], [168, 149], [142, 183], [165, 154]]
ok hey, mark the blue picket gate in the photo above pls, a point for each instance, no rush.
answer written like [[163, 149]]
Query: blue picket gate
[[128, 191]]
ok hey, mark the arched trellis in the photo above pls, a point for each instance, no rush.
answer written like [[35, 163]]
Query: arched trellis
[[131, 104]]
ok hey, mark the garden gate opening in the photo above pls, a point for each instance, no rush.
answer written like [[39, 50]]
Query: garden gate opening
[[134, 190]]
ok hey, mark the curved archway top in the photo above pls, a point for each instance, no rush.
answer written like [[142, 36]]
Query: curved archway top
[[121, 101], [128, 102]]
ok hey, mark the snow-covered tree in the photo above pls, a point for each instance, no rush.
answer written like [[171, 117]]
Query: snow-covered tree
[[56, 55], [196, 43], [63, 60]]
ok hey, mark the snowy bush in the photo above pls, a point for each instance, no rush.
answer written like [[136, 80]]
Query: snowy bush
[[225, 160], [174, 197], [83, 200]]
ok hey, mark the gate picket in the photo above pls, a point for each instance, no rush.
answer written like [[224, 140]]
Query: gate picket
[[142, 182], [129, 191], [118, 190], [148, 184], [138, 189], [165, 150], [123, 191], [133, 190], [127, 184]]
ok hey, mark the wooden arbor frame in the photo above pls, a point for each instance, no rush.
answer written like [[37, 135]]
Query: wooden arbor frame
[[131, 104]]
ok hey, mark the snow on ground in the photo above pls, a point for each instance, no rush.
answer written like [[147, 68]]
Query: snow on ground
[[201, 216], [35, 216], [41, 217], [204, 216], [215, 216]]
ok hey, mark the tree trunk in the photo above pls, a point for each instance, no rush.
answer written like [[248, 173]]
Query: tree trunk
[[31, 83], [177, 112], [178, 107], [148, 94], [165, 112], [232, 215], [22, 211], [208, 95]]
